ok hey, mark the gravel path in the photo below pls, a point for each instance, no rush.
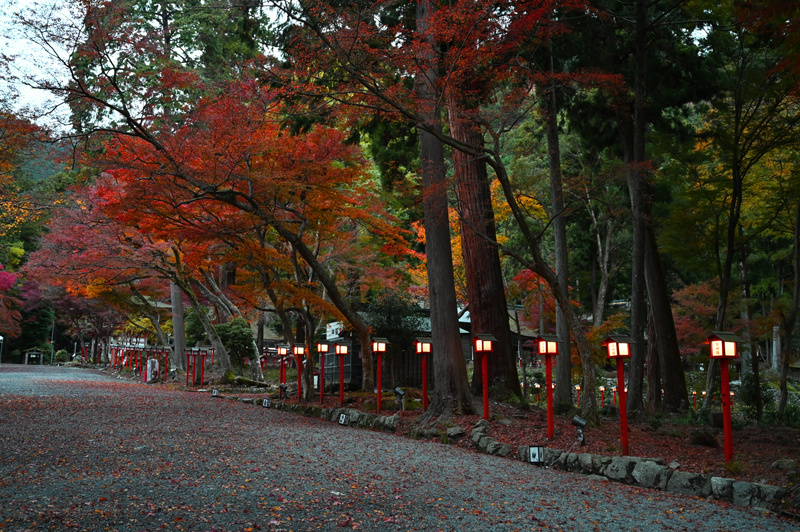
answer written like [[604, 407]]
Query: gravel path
[[81, 450]]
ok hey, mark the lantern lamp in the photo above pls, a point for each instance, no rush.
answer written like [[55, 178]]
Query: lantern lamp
[[423, 345]]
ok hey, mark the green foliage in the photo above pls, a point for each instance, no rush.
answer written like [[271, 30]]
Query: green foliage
[[748, 394], [237, 337], [195, 333], [61, 356]]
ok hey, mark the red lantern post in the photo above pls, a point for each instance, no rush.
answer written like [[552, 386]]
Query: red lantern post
[[299, 351], [424, 347], [342, 349], [283, 350], [548, 348], [723, 348], [379, 346], [483, 344], [322, 349], [619, 349], [602, 396]]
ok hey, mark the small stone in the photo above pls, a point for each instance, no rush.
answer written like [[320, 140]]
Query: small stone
[[785, 464], [455, 432], [674, 465]]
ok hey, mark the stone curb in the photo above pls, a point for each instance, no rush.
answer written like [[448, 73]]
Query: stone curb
[[653, 473], [632, 470]]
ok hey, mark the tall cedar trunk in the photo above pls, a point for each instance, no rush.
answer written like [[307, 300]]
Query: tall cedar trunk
[[673, 378], [653, 372], [563, 391], [450, 387], [178, 330], [636, 175], [487, 298], [791, 319]]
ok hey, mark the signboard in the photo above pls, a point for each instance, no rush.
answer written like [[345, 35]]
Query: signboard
[[334, 330]]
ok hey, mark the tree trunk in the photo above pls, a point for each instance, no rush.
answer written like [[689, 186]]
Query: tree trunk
[[451, 388], [791, 319], [636, 175], [178, 328], [665, 339], [485, 288], [654, 382], [563, 391]]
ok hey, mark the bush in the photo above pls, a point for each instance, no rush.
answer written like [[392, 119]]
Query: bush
[[748, 395], [61, 356], [237, 337]]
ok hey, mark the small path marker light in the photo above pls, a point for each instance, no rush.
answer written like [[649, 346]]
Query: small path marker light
[[483, 345], [602, 396], [537, 387], [400, 395], [322, 349], [694, 397], [548, 348], [379, 346], [723, 348], [578, 394], [619, 349], [342, 349], [425, 348], [580, 424]]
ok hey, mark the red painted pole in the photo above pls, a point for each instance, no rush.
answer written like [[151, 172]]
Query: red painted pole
[[341, 380], [424, 383], [485, 364], [548, 365], [299, 363], [322, 378], [188, 367], [623, 414], [727, 429], [379, 384], [602, 397], [202, 369]]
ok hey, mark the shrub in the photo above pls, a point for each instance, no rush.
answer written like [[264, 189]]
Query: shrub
[[237, 337], [61, 356]]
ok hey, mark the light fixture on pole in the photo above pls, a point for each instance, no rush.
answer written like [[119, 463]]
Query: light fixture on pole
[[619, 349], [602, 396], [283, 351], [299, 351], [723, 348], [548, 348], [322, 349], [342, 349], [424, 347], [483, 345], [379, 346]]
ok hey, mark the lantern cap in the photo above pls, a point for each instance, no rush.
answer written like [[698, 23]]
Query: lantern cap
[[617, 339], [380, 340], [424, 340], [546, 338], [483, 342], [724, 336]]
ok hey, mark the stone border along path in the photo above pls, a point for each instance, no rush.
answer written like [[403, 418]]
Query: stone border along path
[[643, 472]]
